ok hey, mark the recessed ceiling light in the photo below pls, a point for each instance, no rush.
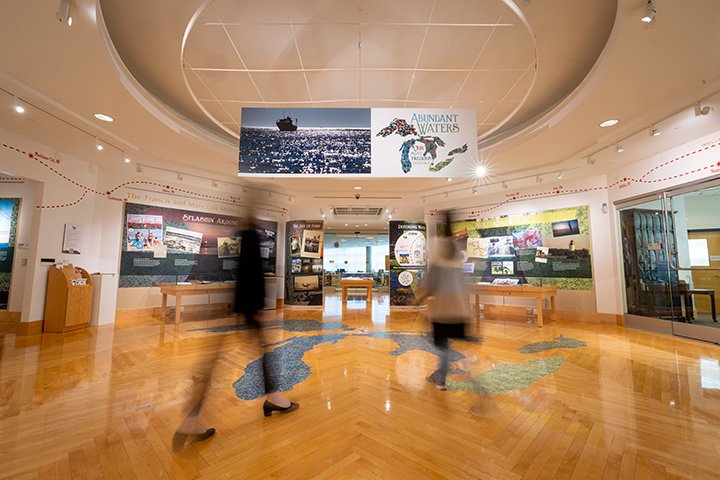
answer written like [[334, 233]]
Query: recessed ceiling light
[[103, 117], [609, 123], [357, 188]]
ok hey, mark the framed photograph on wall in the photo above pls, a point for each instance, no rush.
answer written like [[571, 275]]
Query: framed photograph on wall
[[304, 283]]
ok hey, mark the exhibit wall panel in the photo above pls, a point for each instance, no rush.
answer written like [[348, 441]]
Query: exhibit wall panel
[[605, 296], [26, 192]]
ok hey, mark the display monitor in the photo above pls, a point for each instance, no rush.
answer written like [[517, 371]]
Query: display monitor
[[468, 267], [567, 227]]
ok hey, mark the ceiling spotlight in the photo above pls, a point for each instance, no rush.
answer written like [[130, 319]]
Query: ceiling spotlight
[[475, 191], [16, 105], [649, 15], [98, 144], [591, 161], [701, 111], [214, 183], [538, 179], [619, 148], [366, 224], [126, 158], [480, 171], [63, 14], [560, 175], [654, 132], [346, 224], [389, 217], [104, 118], [357, 188], [504, 185], [449, 179], [387, 210], [139, 168], [609, 123], [323, 215], [179, 177]]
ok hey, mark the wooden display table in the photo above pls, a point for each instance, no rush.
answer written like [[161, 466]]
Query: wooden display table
[[192, 289], [357, 283], [526, 291]]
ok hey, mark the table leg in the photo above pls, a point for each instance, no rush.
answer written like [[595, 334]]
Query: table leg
[[552, 307], [477, 306], [163, 311], [712, 305], [369, 296], [177, 309], [344, 294], [538, 307]]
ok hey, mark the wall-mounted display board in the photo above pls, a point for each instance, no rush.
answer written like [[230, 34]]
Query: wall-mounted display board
[[303, 262], [543, 248], [381, 142], [167, 245], [9, 212], [408, 261]]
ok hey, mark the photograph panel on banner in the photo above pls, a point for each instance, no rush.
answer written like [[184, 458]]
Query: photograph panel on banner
[[9, 214], [305, 141]]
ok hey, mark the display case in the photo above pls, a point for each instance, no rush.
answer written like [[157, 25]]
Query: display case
[[68, 300], [652, 286]]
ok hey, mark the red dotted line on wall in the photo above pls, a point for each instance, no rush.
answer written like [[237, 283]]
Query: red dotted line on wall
[[591, 189], [63, 205], [662, 165], [165, 188]]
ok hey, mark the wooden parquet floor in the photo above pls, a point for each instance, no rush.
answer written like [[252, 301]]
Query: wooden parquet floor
[[104, 404]]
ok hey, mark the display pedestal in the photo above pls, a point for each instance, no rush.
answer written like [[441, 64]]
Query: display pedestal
[[105, 287], [68, 300], [271, 282]]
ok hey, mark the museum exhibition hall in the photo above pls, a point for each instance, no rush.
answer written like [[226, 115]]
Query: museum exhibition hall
[[458, 239]]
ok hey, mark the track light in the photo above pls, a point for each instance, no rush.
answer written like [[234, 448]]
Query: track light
[[98, 145], [126, 158], [560, 175], [591, 161], [619, 148], [538, 179], [179, 177], [649, 15], [504, 185], [654, 132], [475, 191], [16, 105], [214, 183], [701, 111], [139, 169], [64, 15], [449, 179], [480, 171]]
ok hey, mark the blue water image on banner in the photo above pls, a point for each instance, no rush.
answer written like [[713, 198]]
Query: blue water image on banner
[[305, 141]]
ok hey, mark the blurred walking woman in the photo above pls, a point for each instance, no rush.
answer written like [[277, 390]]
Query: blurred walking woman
[[249, 301], [448, 309]]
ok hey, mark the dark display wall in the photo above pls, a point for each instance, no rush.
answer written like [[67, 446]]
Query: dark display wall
[[304, 262], [408, 261], [544, 248], [163, 245], [9, 213]]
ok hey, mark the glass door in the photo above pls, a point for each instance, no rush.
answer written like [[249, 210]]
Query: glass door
[[694, 251]]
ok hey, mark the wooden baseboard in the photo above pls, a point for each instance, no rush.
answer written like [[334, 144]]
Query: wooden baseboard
[[6, 316], [29, 328], [520, 312], [280, 303], [125, 313]]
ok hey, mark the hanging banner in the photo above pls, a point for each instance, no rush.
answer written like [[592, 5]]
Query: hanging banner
[[378, 142], [408, 261], [304, 260]]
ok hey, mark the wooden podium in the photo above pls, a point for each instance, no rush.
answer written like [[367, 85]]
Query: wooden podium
[[68, 302]]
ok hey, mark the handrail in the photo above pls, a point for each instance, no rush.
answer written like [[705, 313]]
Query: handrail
[[667, 243]]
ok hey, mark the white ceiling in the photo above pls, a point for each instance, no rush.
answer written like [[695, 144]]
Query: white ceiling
[[595, 60]]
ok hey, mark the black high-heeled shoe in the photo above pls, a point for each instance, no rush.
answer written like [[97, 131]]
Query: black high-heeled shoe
[[179, 439], [269, 408]]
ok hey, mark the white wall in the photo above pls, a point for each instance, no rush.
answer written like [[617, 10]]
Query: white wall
[[703, 212], [27, 192]]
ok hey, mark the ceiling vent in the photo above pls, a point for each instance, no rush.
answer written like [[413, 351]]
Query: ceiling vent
[[357, 211]]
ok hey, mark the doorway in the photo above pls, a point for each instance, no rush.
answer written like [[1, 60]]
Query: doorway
[[671, 261]]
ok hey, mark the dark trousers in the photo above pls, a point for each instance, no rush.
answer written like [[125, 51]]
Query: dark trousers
[[270, 367]]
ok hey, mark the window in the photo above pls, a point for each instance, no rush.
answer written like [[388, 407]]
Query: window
[[699, 256]]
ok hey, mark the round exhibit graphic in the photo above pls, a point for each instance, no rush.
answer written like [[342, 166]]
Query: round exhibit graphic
[[405, 278], [410, 249]]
